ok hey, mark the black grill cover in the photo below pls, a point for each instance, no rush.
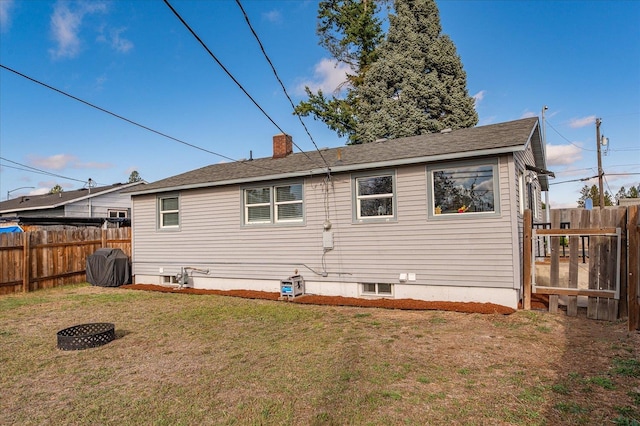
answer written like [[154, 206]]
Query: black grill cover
[[108, 268]]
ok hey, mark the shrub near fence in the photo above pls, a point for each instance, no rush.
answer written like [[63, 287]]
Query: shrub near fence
[[53, 258]]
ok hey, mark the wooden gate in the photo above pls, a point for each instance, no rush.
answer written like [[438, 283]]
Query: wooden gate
[[580, 260]]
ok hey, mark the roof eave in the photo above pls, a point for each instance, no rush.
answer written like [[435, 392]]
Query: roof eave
[[339, 169]]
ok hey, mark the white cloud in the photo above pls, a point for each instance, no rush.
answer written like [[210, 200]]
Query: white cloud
[[527, 114], [582, 122], [64, 161], [328, 76], [561, 155], [5, 14], [273, 16], [478, 97], [92, 165], [54, 162], [115, 40], [42, 190], [100, 81], [66, 23], [120, 44], [45, 186]]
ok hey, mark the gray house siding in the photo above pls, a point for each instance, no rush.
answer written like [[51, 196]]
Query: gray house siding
[[423, 250], [521, 159], [98, 206], [454, 252], [56, 212], [95, 202]]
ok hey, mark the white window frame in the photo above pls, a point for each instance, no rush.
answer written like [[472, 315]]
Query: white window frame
[[247, 206], [357, 198], [377, 291], [433, 213], [532, 196], [117, 213], [521, 194], [274, 205], [163, 213], [528, 190]]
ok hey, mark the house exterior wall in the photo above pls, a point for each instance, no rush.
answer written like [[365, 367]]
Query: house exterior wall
[[520, 173], [460, 258], [55, 212], [99, 205]]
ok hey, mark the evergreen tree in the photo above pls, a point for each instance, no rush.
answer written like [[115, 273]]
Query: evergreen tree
[[56, 189], [633, 192], [417, 84], [351, 32], [134, 177], [593, 193]]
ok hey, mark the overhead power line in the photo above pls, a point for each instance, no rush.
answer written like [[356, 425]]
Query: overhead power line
[[34, 170], [562, 136], [202, 43], [284, 89], [114, 114], [133, 122]]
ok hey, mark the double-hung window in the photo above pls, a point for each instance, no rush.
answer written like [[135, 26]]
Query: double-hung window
[[169, 212], [375, 196], [273, 204], [257, 205], [463, 189], [117, 213]]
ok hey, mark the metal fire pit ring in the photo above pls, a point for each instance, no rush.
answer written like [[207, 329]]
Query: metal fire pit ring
[[86, 336]]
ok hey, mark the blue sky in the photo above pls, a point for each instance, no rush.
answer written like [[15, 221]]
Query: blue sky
[[137, 60]]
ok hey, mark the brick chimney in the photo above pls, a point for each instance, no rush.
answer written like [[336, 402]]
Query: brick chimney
[[282, 145]]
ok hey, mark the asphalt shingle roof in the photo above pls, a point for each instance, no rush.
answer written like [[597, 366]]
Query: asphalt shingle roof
[[503, 137], [45, 201]]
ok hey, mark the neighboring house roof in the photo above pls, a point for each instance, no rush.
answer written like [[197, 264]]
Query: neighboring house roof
[[51, 201], [493, 139], [71, 221], [628, 201]]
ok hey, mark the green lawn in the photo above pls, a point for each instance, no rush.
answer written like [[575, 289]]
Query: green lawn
[[203, 359]]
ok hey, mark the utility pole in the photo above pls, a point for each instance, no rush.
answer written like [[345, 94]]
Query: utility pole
[[547, 207], [600, 172]]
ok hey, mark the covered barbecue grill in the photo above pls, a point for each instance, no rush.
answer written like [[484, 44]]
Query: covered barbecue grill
[[108, 267]]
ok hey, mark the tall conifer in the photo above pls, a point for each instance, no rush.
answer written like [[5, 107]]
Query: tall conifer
[[417, 83]]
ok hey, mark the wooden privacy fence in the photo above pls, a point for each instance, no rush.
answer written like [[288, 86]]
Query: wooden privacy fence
[[43, 259], [588, 256]]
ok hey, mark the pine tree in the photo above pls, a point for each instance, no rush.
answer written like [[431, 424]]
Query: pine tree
[[56, 189], [417, 84], [134, 177], [351, 32], [593, 193], [633, 192]]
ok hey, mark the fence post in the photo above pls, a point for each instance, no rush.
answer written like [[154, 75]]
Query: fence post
[[26, 261], [103, 239], [633, 254], [526, 262]]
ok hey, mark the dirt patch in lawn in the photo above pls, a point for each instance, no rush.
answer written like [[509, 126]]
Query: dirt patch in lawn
[[406, 304]]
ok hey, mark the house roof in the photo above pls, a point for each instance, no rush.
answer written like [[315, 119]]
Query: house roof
[[71, 221], [492, 139], [50, 201]]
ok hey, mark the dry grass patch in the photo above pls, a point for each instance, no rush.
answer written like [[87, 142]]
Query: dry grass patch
[[208, 359]]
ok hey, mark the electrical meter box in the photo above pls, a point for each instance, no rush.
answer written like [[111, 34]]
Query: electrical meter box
[[292, 286]]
